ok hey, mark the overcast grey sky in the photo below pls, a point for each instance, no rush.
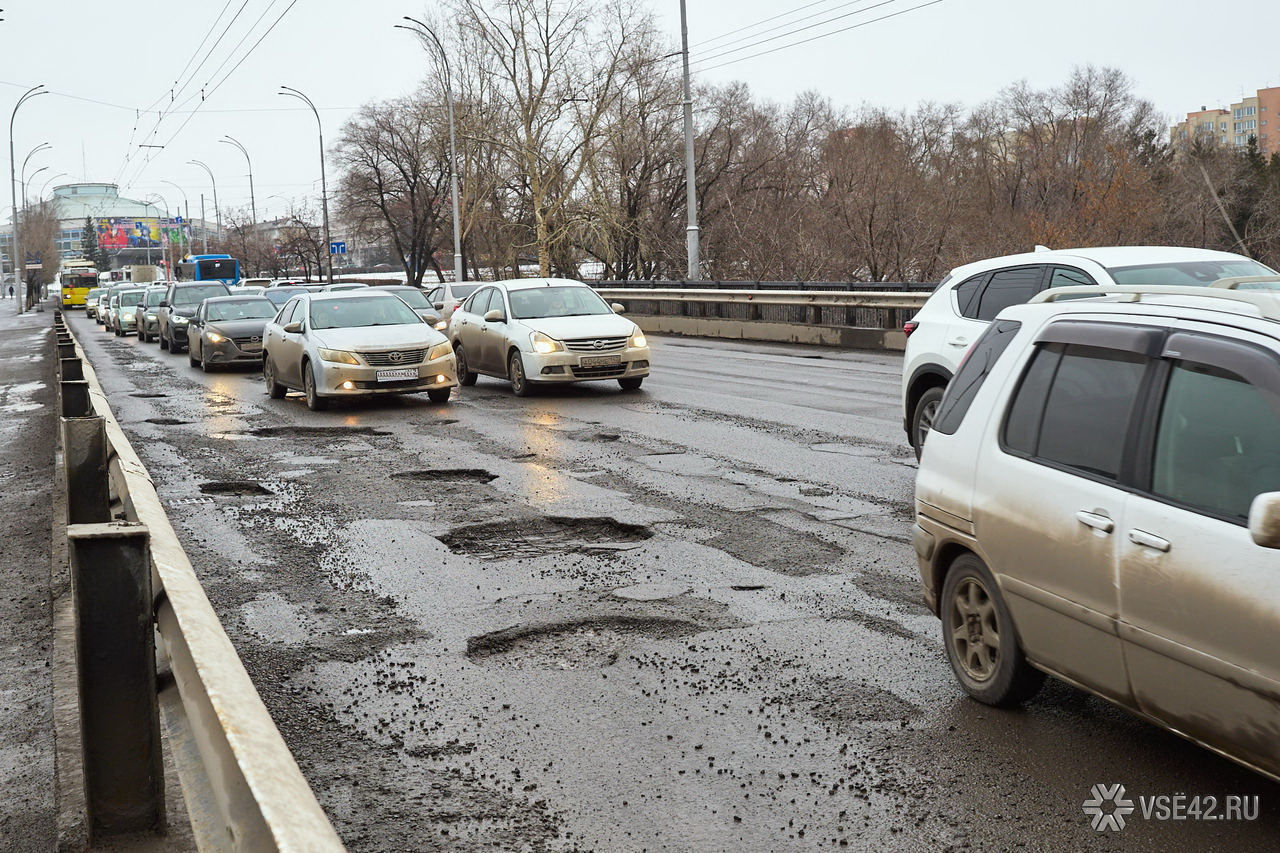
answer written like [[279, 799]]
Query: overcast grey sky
[[1181, 53]]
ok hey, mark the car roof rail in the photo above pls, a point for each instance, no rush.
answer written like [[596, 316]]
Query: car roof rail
[[1266, 302], [1235, 282]]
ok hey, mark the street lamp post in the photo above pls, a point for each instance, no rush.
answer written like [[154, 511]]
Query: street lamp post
[[186, 204], [427, 37], [691, 186], [217, 214], [324, 187], [164, 249], [26, 181], [253, 204], [16, 244], [48, 181]]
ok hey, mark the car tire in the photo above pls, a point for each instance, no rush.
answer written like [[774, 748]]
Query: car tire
[[118, 331], [631, 383], [515, 372], [980, 637], [439, 395], [164, 341], [142, 335], [275, 390], [465, 376], [315, 402], [191, 358], [922, 417], [204, 361]]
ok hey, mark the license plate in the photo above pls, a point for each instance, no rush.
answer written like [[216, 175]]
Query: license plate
[[600, 360], [251, 347], [396, 375]]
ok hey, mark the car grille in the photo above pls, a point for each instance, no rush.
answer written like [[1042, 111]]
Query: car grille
[[406, 357], [422, 382], [604, 372], [247, 344], [589, 344]]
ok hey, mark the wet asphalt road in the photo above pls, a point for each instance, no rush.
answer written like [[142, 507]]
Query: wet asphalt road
[[686, 618]]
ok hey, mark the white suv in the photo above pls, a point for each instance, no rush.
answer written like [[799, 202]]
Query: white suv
[[1099, 500], [972, 295]]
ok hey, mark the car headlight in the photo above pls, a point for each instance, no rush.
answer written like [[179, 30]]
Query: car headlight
[[439, 351], [442, 325], [179, 320], [215, 338], [544, 344], [339, 356], [638, 339]]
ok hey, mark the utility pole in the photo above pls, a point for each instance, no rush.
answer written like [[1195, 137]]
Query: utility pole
[[423, 32], [15, 244], [324, 187], [217, 212], [691, 185], [253, 204], [204, 226]]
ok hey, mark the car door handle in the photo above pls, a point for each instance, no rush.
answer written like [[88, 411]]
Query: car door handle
[[959, 342], [1095, 520], [1148, 540]]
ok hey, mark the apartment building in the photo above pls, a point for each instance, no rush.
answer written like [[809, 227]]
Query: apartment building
[[1257, 116]]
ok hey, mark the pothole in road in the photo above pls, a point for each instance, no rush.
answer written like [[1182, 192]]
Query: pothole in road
[[838, 699], [148, 395], [167, 421], [537, 537], [238, 488], [579, 644], [447, 475], [596, 437], [313, 431]]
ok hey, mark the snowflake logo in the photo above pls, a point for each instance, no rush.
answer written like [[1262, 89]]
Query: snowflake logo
[[1103, 818]]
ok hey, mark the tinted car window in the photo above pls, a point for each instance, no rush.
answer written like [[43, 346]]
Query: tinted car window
[[1070, 277], [1218, 442], [1023, 423], [1008, 287], [1087, 410], [478, 299], [195, 295], [967, 295], [972, 373]]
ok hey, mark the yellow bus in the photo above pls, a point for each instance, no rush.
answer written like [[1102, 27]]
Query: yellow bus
[[75, 280]]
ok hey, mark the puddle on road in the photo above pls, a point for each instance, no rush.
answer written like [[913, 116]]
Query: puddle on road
[[167, 421]]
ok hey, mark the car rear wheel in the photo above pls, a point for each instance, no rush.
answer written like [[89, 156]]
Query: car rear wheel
[[980, 638], [631, 383], [275, 390], [922, 417], [315, 402], [515, 372], [465, 376]]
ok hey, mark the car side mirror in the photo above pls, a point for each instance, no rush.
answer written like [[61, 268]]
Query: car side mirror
[[439, 306], [293, 328], [1264, 520], [162, 304], [494, 316], [617, 307]]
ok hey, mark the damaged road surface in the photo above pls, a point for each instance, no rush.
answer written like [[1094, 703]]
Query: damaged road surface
[[686, 618]]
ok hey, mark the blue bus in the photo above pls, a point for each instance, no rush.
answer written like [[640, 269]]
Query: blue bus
[[223, 268]]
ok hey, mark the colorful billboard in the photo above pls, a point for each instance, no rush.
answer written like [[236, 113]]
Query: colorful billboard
[[156, 233]]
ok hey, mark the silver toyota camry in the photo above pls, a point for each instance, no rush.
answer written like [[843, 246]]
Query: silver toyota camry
[[539, 331], [352, 344]]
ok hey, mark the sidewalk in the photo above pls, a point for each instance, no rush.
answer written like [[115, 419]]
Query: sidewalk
[[28, 420]]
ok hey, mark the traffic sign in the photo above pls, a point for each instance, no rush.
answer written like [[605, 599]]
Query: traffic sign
[[338, 247]]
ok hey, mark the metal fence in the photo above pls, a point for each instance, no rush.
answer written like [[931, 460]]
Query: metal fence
[[136, 593]]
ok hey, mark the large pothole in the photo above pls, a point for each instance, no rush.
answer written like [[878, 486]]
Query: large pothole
[[237, 488], [537, 537], [313, 431], [167, 421], [590, 643], [447, 475]]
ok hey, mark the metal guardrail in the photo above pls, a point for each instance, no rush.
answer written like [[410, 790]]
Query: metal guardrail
[[882, 308], [132, 584]]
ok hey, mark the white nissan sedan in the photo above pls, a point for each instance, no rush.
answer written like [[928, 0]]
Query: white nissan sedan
[[535, 331], [352, 344]]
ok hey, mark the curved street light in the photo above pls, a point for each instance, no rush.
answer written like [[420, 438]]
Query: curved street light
[[186, 202], [428, 39], [15, 243], [289, 91], [253, 204], [48, 181], [217, 214], [26, 181]]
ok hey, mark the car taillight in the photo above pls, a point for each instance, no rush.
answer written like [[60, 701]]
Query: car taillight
[[909, 327]]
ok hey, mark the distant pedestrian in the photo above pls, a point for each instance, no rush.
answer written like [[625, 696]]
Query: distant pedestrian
[[11, 291]]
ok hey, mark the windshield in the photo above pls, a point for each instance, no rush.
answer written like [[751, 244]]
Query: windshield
[[95, 293], [1188, 273], [131, 297], [240, 309], [154, 297], [196, 295], [383, 310], [416, 298], [281, 295], [535, 302]]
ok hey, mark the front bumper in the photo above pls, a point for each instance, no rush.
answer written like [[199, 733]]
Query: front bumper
[[178, 332], [350, 380], [127, 321], [567, 366], [229, 352]]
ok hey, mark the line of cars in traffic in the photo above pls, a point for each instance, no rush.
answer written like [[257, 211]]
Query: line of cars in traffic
[[354, 340], [1098, 495]]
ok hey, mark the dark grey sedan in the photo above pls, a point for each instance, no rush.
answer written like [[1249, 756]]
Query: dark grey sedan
[[228, 330]]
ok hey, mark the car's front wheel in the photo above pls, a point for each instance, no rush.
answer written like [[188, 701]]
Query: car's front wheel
[[275, 390], [980, 638], [465, 376], [515, 372], [631, 383], [439, 395], [315, 402], [164, 340], [923, 415]]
